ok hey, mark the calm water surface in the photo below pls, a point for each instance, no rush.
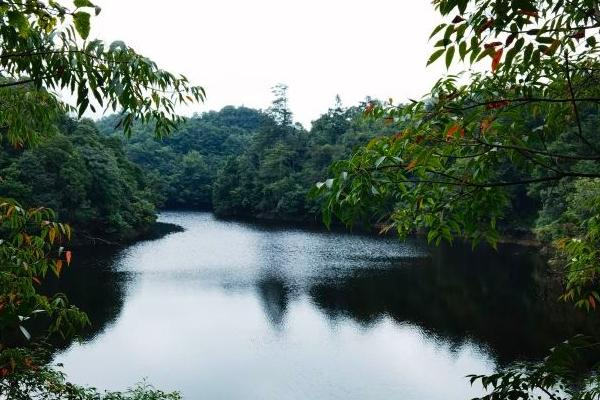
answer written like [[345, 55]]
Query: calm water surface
[[238, 311]]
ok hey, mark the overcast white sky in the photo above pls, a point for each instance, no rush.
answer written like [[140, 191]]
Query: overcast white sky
[[238, 49]]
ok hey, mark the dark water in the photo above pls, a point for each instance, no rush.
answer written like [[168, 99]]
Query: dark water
[[237, 311]]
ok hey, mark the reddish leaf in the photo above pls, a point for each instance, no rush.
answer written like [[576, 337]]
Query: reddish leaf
[[592, 302], [398, 136], [485, 26], [496, 59], [411, 165], [68, 255], [458, 19], [497, 104], [579, 34], [36, 280], [510, 39], [28, 361], [485, 125], [58, 265], [493, 44], [453, 130]]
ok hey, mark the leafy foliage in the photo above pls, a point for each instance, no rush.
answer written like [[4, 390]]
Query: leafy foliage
[[41, 47], [460, 155], [45, 383], [558, 377], [32, 245]]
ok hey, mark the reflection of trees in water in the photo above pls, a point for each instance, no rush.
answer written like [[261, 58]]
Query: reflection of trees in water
[[92, 284], [274, 296], [490, 297], [457, 294]]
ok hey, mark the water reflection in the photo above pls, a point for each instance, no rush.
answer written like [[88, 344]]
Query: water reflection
[[226, 310], [274, 296], [459, 296], [93, 285]]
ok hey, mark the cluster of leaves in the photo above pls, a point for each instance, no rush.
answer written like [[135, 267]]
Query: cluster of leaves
[[49, 383], [44, 46], [465, 152], [521, 34], [477, 139], [580, 251], [559, 376], [32, 245]]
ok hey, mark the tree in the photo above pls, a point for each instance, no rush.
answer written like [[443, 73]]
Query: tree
[[279, 110], [456, 154], [44, 47], [528, 120], [192, 185], [178, 180]]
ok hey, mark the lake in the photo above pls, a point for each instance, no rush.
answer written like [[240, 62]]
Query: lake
[[229, 310]]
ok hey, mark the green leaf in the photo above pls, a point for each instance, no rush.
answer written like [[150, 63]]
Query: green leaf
[[82, 24], [544, 39], [528, 52], [513, 52], [462, 50], [450, 56], [18, 20], [83, 3], [436, 30], [437, 54]]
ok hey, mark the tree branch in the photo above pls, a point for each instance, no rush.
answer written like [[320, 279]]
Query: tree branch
[[575, 109], [524, 100]]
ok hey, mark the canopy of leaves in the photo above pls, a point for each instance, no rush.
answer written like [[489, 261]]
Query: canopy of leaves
[[459, 156], [44, 47]]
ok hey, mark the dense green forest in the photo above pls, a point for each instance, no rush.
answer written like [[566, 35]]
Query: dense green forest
[[87, 179], [246, 163], [237, 162]]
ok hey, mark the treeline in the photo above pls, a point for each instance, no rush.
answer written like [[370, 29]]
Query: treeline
[[245, 163], [180, 169], [238, 162]]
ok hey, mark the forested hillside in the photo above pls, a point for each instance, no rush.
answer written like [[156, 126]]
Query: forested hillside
[[271, 178], [182, 167], [238, 162], [86, 178], [246, 163]]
